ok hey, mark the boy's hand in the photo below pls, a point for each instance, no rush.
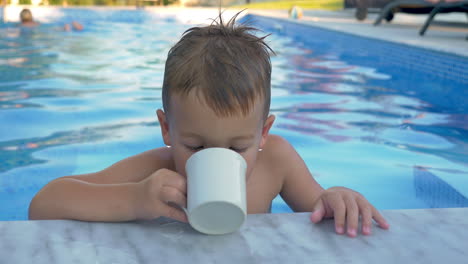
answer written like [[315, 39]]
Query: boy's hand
[[346, 206], [161, 189]]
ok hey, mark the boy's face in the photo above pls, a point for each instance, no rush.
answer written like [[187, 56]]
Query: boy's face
[[192, 126]]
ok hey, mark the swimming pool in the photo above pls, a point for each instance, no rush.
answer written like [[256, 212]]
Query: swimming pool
[[387, 120]]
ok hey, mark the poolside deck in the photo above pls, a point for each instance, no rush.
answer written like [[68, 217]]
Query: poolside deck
[[415, 236], [448, 34]]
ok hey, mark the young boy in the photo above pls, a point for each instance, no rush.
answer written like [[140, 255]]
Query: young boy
[[216, 93]]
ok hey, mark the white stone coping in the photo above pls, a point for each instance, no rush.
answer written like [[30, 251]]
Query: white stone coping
[[415, 236]]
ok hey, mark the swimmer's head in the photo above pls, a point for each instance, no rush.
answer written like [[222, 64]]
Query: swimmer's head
[[26, 15]]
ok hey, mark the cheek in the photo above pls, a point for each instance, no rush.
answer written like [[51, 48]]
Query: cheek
[[180, 158], [250, 158]]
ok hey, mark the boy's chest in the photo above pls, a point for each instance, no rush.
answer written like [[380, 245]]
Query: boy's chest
[[262, 187]]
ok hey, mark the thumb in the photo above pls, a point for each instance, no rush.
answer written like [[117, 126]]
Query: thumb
[[318, 212]]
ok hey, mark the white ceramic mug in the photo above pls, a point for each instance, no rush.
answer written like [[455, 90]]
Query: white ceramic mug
[[216, 195]]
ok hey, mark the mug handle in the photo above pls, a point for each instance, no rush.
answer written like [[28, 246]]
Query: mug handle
[[182, 208], [186, 213]]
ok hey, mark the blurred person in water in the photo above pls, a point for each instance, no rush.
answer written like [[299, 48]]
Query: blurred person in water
[[27, 20]]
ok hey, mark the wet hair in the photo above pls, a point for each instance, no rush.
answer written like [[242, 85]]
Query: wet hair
[[26, 15], [225, 64]]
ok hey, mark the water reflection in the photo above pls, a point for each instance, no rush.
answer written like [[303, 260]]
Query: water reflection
[[341, 101], [24, 53], [381, 116], [352, 122], [23, 149], [59, 89]]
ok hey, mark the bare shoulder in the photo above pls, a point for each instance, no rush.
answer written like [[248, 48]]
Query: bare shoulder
[[278, 147], [275, 140], [298, 187], [132, 169], [279, 152]]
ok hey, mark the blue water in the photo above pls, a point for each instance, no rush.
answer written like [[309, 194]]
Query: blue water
[[387, 120]]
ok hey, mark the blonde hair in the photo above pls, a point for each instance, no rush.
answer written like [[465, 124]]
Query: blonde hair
[[226, 64]]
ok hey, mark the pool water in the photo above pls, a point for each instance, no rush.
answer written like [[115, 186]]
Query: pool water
[[387, 120]]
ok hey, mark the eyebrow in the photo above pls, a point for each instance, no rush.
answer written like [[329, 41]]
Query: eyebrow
[[193, 135]]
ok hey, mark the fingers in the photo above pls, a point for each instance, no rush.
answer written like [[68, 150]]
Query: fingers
[[368, 212], [175, 180], [174, 191], [172, 194], [174, 213], [366, 218], [339, 210], [352, 216], [318, 213], [380, 219], [165, 194], [348, 208]]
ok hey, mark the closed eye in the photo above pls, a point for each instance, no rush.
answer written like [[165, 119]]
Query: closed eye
[[239, 150], [197, 148]]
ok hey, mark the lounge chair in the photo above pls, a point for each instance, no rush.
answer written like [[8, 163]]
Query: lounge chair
[[421, 7]]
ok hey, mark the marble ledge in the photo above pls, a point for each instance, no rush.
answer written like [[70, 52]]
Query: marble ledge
[[415, 236]]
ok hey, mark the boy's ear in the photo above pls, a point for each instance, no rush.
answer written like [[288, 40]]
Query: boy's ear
[[164, 126], [266, 129]]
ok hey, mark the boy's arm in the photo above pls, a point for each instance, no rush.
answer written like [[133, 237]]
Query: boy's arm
[[130, 189], [299, 189], [302, 193], [131, 169], [69, 198]]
